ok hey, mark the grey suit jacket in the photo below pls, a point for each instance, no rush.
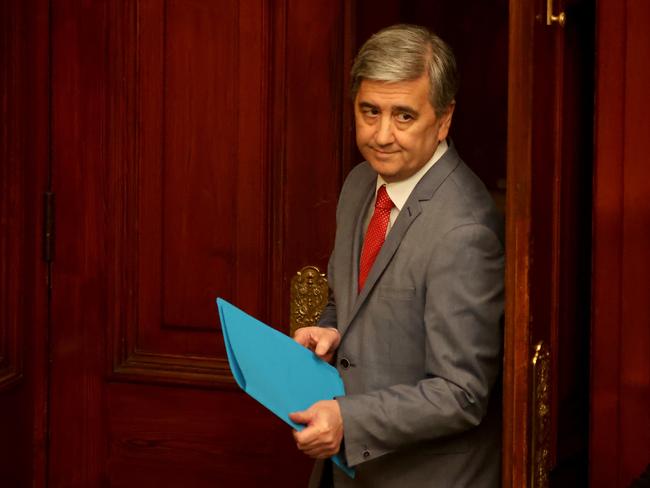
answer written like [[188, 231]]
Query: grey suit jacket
[[421, 344]]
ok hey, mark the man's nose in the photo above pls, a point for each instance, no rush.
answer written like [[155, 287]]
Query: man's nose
[[384, 135]]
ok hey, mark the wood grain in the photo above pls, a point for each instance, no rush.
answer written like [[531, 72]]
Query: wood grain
[[620, 382], [24, 165], [516, 393]]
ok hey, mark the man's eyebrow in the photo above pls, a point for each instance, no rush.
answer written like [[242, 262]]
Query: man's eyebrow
[[367, 105], [405, 108], [397, 108]]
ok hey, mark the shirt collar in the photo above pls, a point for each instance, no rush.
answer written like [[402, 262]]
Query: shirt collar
[[399, 191]]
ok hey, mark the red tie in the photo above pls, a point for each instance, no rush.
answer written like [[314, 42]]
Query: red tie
[[375, 234]]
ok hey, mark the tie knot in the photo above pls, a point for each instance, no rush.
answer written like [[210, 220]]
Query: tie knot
[[383, 200]]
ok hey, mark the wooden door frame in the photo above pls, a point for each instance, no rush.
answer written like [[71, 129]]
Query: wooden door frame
[[517, 333], [549, 168], [549, 153]]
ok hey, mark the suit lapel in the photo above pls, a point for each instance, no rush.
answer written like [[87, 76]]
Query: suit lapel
[[360, 210], [357, 241], [423, 191]]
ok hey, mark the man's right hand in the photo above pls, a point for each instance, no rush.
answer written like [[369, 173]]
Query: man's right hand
[[323, 341]]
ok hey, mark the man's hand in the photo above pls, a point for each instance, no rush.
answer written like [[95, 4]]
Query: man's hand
[[324, 432], [322, 340]]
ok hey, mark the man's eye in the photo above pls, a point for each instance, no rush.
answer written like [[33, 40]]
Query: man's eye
[[373, 112], [404, 117]]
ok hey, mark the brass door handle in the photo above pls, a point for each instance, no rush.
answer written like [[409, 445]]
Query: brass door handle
[[309, 294], [550, 18], [541, 417]]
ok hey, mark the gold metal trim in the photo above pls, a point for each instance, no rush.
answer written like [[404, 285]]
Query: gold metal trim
[[309, 291], [541, 417]]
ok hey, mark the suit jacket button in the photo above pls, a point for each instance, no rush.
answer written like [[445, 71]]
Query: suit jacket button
[[345, 363], [366, 454]]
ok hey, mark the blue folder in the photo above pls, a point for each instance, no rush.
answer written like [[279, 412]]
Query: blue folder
[[275, 370]]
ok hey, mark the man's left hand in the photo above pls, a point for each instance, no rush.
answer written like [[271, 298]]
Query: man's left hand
[[324, 432]]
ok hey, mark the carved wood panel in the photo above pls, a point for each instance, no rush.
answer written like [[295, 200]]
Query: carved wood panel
[[202, 195], [190, 181]]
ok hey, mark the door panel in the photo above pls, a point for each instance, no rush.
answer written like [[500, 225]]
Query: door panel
[[189, 162], [189, 185]]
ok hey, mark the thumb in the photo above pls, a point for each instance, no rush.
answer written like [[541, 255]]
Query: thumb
[[301, 417]]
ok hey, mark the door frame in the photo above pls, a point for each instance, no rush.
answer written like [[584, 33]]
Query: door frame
[[545, 172], [518, 330]]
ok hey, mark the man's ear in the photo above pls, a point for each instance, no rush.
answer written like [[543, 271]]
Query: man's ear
[[445, 121]]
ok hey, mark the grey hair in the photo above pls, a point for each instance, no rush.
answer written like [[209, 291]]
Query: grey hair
[[404, 52]]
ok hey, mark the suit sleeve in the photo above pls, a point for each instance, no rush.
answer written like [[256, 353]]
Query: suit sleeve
[[462, 312]]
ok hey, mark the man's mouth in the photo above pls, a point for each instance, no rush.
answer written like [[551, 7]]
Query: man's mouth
[[383, 152]]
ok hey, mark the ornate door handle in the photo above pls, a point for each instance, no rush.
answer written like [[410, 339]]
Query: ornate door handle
[[541, 418], [309, 293]]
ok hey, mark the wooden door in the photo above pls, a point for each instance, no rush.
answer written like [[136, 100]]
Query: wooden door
[[195, 153], [548, 244]]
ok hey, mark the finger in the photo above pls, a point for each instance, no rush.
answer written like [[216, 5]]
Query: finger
[[302, 337], [319, 452], [313, 449], [308, 438], [300, 417], [323, 346], [303, 443], [319, 445]]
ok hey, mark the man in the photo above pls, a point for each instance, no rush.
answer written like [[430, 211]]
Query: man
[[416, 279]]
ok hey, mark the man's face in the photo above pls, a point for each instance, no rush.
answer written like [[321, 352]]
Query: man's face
[[397, 128]]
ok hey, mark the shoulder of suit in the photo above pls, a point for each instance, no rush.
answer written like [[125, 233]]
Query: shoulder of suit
[[362, 170], [360, 174]]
